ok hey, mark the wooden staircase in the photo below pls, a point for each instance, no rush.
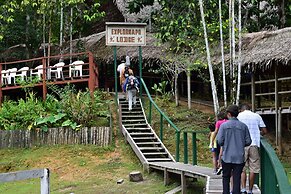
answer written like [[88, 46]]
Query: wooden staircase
[[140, 135]]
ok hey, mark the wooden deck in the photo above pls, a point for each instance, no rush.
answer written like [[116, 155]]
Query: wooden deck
[[78, 72]]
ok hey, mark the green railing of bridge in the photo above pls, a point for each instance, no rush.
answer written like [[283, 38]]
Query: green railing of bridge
[[162, 118], [194, 145], [273, 175]]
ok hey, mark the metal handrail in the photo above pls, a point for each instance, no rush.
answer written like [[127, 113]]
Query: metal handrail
[[273, 175], [163, 116]]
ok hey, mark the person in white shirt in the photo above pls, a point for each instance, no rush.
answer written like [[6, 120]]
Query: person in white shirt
[[120, 67], [256, 127]]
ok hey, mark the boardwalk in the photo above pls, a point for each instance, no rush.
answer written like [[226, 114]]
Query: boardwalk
[[213, 182], [155, 156]]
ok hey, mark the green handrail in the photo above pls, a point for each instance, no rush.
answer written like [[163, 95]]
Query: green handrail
[[162, 117], [273, 175], [194, 145]]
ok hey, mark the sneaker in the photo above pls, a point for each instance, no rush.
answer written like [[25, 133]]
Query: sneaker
[[243, 191], [214, 171], [219, 171], [250, 192]]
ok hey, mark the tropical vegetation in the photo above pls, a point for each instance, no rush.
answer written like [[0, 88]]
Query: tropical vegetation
[[63, 107]]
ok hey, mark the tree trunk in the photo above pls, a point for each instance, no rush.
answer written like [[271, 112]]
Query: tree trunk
[[281, 13], [213, 86], [233, 53], [230, 48], [222, 56], [61, 28], [71, 34], [188, 73], [176, 87], [43, 35], [27, 35], [239, 54]]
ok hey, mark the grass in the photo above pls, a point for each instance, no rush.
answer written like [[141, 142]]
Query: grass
[[185, 120], [79, 169], [90, 169], [287, 166]]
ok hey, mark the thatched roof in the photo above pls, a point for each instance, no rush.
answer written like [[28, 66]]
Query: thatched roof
[[152, 53], [266, 48]]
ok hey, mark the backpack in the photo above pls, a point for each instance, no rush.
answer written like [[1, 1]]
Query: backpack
[[131, 83], [126, 71]]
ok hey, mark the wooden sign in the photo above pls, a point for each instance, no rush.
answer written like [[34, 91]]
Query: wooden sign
[[125, 34]]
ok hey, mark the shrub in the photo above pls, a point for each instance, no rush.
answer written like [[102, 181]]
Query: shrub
[[64, 107]]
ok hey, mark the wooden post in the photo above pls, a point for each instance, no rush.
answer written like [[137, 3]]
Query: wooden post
[[276, 103], [115, 72], [140, 68], [280, 132], [91, 74], [44, 88], [166, 177], [253, 90], [183, 183], [45, 182]]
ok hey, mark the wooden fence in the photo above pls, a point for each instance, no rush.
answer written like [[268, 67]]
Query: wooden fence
[[101, 136]]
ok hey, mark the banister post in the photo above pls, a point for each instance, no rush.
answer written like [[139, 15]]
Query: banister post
[[140, 69], [115, 72], [91, 74], [161, 127], [44, 88], [194, 148], [45, 182], [150, 113], [185, 148], [177, 146]]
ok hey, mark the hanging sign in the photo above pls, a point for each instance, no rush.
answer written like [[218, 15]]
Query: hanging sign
[[125, 34]]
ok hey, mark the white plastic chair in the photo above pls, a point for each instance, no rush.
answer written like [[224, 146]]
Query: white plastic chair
[[12, 74], [75, 69], [57, 69], [22, 72], [37, 71], [4, 76]]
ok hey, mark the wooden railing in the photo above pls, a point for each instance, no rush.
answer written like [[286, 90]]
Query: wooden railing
[[89, 68], [43, 174]]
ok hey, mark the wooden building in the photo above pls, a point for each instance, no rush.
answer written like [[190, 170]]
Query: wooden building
[[266, 60]]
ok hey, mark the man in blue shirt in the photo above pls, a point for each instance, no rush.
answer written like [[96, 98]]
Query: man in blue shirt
[[234, 136]]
